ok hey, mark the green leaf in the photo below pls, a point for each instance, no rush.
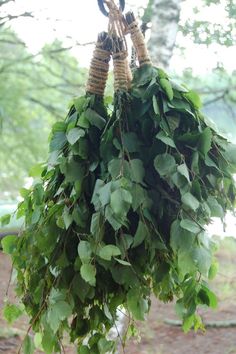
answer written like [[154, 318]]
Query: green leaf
[[190, 201], [105, 194], [125, 263], [165, 164], [202, 258], [57, 313], [205, 140], [84, 350], [183, 170], [74, 135], [38, 340], [84, 251], [105, 346], [186, 264], [67, 218], [59, 127], [109, 251], [37, 170], [118, 167], [88, 273], [215, 207], [207, 297], [195, 162], [180, 239], [38, 194], [56, 295], [83, 148], [131, 142], [36, 215], [12, 312], [58, 141], [178, 87], [83, 121], [49, 341], [194, 98], [73, 171], [112, 219], [5, 219], [188, 323], [165, 139], [139, 196], [162, 74], [140, 235], [155, 105], [81, 103], [95, 119], [166, 85], [9, 244], [136, 304], [28, 345], [143, 75], [180, 182], [121, 199], [95, 223], [213, 270], [190, 226], [230, 153], [137, 170]]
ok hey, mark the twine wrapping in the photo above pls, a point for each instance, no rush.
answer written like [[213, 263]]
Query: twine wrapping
[[138, 40], [117, 29], [120, 71], [99, 67]]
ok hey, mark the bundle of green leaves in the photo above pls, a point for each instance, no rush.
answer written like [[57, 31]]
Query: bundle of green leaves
[[120, 212]]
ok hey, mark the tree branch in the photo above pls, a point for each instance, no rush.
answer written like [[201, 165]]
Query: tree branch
[[7, 18], [3, 2], [48, 107], [217, 98]]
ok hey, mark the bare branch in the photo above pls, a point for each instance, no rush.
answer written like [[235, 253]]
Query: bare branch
[[217, 98], [7, 41], [3, 2], [48, 107], [7, 18]]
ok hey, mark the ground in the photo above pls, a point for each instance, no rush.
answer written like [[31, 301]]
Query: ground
[[156, 336]]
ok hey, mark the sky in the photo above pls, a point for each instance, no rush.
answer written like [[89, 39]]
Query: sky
[[81, 20]]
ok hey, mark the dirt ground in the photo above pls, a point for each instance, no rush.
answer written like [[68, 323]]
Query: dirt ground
[[156, 336]]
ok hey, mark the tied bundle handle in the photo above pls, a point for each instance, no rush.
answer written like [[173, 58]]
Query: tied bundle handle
[[137, 39], [99, 66], [117, 29], [121, 73]]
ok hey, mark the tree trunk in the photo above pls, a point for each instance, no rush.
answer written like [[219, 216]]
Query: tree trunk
[[165, 19]]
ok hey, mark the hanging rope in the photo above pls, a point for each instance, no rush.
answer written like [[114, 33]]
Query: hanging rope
[[104, 11], [117, 29]]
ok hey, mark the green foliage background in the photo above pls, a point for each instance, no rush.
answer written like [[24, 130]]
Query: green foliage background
[[34, 93]]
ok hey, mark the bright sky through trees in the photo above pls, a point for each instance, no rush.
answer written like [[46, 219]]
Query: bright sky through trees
[[77, 20]]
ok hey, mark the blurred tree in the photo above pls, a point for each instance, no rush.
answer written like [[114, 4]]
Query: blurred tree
[[213, 31], [218, 93], [164, 18], [34, 91], [166, 22]]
